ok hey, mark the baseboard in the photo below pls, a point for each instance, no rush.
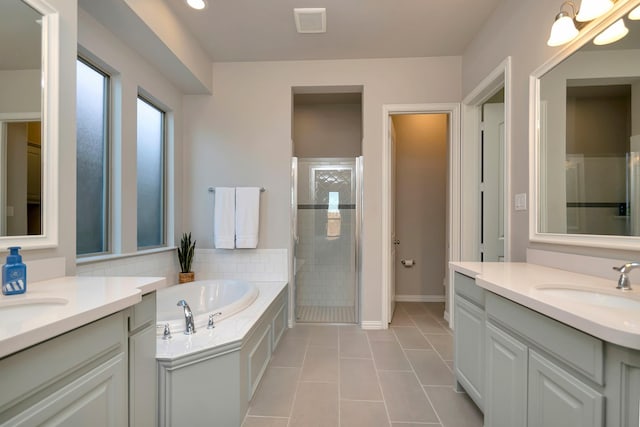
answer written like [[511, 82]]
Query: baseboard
[[371, 324], [420, 298]]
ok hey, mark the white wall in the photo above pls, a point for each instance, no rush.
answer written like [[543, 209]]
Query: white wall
[[327, 130], [519, 28], [20, 91], [421, 202], [242, 136]]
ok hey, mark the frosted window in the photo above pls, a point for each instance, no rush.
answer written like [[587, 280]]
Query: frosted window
[[150, 173], [92, 148]]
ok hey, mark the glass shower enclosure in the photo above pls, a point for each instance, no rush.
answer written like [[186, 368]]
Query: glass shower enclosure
[[326, 255]]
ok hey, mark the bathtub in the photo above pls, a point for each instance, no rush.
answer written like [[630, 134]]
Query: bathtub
[[205, 297]]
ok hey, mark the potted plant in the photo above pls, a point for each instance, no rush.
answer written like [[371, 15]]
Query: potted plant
[[186, 250]]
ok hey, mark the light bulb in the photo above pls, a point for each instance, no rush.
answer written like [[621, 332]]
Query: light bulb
[[562, 31], [615, 32], [635, 14], [592, 9], [197, 4]]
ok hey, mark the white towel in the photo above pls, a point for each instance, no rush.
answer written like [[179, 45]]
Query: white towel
[[224, 225], [247, 216]]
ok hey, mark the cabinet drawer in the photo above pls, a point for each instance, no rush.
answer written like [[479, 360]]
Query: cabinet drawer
[[578, 350], [466, 286], [144, 312]]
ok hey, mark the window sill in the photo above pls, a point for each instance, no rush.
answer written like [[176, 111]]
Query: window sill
[[111, 257]]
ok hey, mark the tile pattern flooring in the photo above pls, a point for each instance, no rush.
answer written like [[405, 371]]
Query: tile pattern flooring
[[342, 376], [325, 314]]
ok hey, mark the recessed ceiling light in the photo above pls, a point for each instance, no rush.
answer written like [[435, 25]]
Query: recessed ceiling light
[[197, 4]]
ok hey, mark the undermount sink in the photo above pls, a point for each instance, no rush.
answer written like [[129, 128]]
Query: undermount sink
[[592, 297], [20, 310]]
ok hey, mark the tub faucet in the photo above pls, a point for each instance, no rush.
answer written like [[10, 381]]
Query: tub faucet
[[190, 328], [623, 281]]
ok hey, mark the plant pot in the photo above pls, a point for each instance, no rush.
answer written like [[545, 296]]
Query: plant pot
[[186, 277]]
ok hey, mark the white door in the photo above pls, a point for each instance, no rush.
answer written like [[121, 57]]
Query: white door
[[392, 220], [492, 183]]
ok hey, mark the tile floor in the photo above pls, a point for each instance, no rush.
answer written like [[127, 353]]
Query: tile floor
[[342, 376]]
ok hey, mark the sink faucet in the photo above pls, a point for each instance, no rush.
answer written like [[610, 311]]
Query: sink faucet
[[623, 281], [190, 328]]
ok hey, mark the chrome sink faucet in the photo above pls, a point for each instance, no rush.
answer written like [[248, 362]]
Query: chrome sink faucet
[[623, 281], [190, 328]]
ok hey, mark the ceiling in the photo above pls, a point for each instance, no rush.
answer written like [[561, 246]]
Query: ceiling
[[264, 30]]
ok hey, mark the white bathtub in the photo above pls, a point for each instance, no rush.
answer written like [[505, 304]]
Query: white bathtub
[[204, 297]]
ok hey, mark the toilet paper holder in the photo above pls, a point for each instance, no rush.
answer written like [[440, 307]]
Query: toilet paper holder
[[408, 263]]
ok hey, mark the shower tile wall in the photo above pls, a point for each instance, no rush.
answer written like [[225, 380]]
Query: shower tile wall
[[325, 255]]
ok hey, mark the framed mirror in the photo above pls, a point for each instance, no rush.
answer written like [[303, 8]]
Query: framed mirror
[[28, 124], [585, 140]]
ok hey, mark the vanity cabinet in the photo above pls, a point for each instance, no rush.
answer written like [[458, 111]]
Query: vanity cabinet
[[469, 362], [75, 379], [142, 363], [540, 372], [506, 385], [101, 374]]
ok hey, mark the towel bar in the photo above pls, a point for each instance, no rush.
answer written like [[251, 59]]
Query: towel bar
[[213, 190]]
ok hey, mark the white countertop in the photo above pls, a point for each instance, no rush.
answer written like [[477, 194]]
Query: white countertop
[[230, 330], [53, 307], [522, 283]]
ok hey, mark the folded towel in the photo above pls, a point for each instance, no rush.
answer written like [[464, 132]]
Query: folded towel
[[334, 221], [247, 216], [224, 225]]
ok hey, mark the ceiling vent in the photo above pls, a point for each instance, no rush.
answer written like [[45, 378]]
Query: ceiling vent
[[311, 20]]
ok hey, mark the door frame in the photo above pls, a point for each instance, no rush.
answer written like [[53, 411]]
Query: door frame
[[469, 175], [453, 193]]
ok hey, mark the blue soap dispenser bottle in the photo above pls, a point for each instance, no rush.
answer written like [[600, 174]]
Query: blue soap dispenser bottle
[[14, 273]]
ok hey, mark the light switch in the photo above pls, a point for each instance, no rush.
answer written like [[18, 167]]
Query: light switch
[[521, 201]]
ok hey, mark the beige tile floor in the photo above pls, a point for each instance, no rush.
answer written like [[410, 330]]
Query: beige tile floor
[[342, 376]]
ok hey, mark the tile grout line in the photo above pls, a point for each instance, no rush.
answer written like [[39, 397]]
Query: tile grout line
[[298, 381], [375, 369], [435, 411]]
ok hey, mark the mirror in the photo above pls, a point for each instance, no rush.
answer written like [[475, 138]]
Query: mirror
[[20, 119], [586, 152], [29, 37]]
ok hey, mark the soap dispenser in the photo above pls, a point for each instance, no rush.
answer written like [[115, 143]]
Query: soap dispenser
[[14, 273]]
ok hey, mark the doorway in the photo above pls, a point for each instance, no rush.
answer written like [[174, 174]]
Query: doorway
[[389, 238], [326, 201]]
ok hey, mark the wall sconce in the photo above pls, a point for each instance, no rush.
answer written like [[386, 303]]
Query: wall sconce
[[613, 33], [592, 9], [564, 28]]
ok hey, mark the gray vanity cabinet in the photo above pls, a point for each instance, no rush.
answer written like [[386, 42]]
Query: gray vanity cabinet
[[506, 385], [100, 374], [623, 386], [142, 363], [469, 361], [76, 379], [558, 398]]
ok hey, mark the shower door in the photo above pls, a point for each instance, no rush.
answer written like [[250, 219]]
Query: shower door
[[326, 277]]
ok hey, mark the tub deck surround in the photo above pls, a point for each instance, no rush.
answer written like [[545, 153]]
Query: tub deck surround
[[228, 333], [53, 307], [522, 283]]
